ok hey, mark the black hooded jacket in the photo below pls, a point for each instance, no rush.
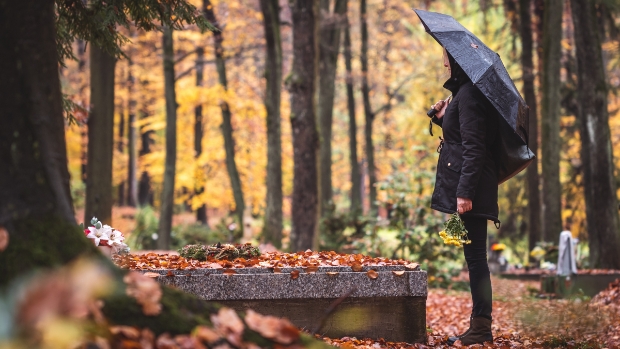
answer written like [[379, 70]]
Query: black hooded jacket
[[467, 166]]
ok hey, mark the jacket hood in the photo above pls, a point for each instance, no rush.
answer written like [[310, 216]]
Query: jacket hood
[[458, 77]]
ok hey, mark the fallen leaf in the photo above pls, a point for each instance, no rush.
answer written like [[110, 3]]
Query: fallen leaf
[[170, 273], [312, 269], [347, 345], [332, 273], [146, 339], [229, 325], [185, 341], [206, 334], [372, 274], [164, 341], [126, 331], [412, 266], [146, 292], [294, 274], [229, 272], [277, 329], [4, 238], [398, 272], [357, 267], [277, 270], [152, 275], [94, 307]]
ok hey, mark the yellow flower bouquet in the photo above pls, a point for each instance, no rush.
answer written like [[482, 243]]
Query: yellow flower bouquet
[[454, 233]]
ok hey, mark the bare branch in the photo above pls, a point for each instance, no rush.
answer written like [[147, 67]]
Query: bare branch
[[183, 74], [393, 94], [184, 56]]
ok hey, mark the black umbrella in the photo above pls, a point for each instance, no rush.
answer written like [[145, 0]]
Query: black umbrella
[[486, 70]]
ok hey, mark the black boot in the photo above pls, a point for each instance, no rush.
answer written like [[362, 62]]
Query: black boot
[[479, 332], [453, 339]]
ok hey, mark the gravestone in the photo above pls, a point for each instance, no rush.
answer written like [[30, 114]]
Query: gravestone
[[389, 303]]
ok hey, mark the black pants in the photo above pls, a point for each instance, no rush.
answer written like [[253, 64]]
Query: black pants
[[479, 275]]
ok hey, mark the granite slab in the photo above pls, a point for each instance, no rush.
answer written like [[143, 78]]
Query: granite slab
[[245, 286]]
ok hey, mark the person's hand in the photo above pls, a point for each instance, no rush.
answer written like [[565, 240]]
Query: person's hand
[[440, 106], [463, 205]]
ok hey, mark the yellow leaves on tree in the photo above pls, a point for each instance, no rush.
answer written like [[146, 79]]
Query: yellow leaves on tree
[[400, 53], [145, 290]]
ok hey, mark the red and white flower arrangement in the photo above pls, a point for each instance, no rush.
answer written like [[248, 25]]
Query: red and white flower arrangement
[[104, 235]]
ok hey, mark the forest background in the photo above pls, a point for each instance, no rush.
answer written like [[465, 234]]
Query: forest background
[[381, 90]]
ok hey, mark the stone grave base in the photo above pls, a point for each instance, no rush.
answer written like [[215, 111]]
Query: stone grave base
[[388, 303], [397, 319], [590, 284]]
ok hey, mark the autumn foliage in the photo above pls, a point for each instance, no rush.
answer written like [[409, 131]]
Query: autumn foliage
[[310, 260]]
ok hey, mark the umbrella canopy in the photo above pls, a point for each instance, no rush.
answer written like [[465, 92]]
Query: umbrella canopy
[[487, 72]]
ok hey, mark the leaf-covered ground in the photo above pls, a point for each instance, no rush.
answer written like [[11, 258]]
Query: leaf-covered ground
[[520, 320]]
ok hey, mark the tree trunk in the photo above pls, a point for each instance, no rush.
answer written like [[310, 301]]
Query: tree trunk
[[356, 185], [83, 130], [35, 205], [596, 149], [272, 230], [132, 165], [227, 130], [539, 16], [100, 137], [120, 146], [167, 195], [329, 45], [551, 189], [302, 86], [199, 175], [368, 114], [145, 192], [533, 179]]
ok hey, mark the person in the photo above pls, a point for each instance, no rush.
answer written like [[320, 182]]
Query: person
[[467, 183]]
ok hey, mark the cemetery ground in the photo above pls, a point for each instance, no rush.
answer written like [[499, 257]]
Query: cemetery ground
[[54, 304], [523, 318]]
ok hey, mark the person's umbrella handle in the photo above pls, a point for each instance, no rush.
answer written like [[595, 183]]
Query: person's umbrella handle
[[431, 112]]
